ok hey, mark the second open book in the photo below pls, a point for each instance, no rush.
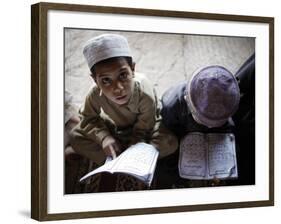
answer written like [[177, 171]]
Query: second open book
[[208, 156]]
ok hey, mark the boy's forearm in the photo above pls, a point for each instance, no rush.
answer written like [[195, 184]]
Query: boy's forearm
[[142, 133], [144, 125], [95, 130], [92, 125], [138, 138]]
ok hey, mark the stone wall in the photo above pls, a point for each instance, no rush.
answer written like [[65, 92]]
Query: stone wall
[[165, 58]]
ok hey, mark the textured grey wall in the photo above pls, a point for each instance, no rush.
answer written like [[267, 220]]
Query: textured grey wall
[[165, 58]]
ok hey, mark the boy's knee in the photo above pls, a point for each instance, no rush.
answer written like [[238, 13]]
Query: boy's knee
[[168, 145], [77, 141], [164, 140], [73, 139]]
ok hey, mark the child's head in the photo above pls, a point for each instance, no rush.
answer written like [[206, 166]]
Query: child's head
[[213, 96], [111, 65]]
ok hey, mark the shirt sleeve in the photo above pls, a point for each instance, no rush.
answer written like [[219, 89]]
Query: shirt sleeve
[[173, 112], [146, 108], [170, 117], [92, 125], [145, 120]]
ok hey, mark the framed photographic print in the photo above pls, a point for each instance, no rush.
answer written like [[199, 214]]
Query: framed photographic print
[[122, 82]]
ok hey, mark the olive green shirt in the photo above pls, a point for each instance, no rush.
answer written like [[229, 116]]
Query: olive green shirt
[[139, 114]]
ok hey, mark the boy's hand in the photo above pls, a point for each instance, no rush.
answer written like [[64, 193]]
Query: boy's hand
[[110, 146]]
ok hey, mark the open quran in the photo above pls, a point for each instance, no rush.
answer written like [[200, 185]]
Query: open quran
[[208, 156], [138, 160]]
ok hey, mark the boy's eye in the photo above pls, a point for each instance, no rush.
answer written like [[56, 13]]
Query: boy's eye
[[123, 76], [106, 81]]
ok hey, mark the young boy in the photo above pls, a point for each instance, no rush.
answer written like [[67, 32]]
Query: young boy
[[205, 103], [122, 109]]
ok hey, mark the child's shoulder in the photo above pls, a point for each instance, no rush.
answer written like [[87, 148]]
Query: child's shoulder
[[93, 92], [140, 77], [144, 84]]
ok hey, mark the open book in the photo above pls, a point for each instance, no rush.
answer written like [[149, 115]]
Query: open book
[[138, 160], [208, 156]]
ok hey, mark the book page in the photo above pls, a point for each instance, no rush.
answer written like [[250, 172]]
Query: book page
[[192, 160], [221, 155], [107, 167], [139, 159]]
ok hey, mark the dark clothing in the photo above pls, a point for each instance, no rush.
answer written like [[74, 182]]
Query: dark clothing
[[178, 118], [245, 115], [244, 120]]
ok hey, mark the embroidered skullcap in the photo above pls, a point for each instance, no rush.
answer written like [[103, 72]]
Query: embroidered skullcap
[[213, 95], [105, 46]]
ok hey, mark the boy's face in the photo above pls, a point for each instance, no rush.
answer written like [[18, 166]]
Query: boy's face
[[115, 79]]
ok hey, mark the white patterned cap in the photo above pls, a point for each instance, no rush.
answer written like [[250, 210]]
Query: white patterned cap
[[105, 46], [213, 95]]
